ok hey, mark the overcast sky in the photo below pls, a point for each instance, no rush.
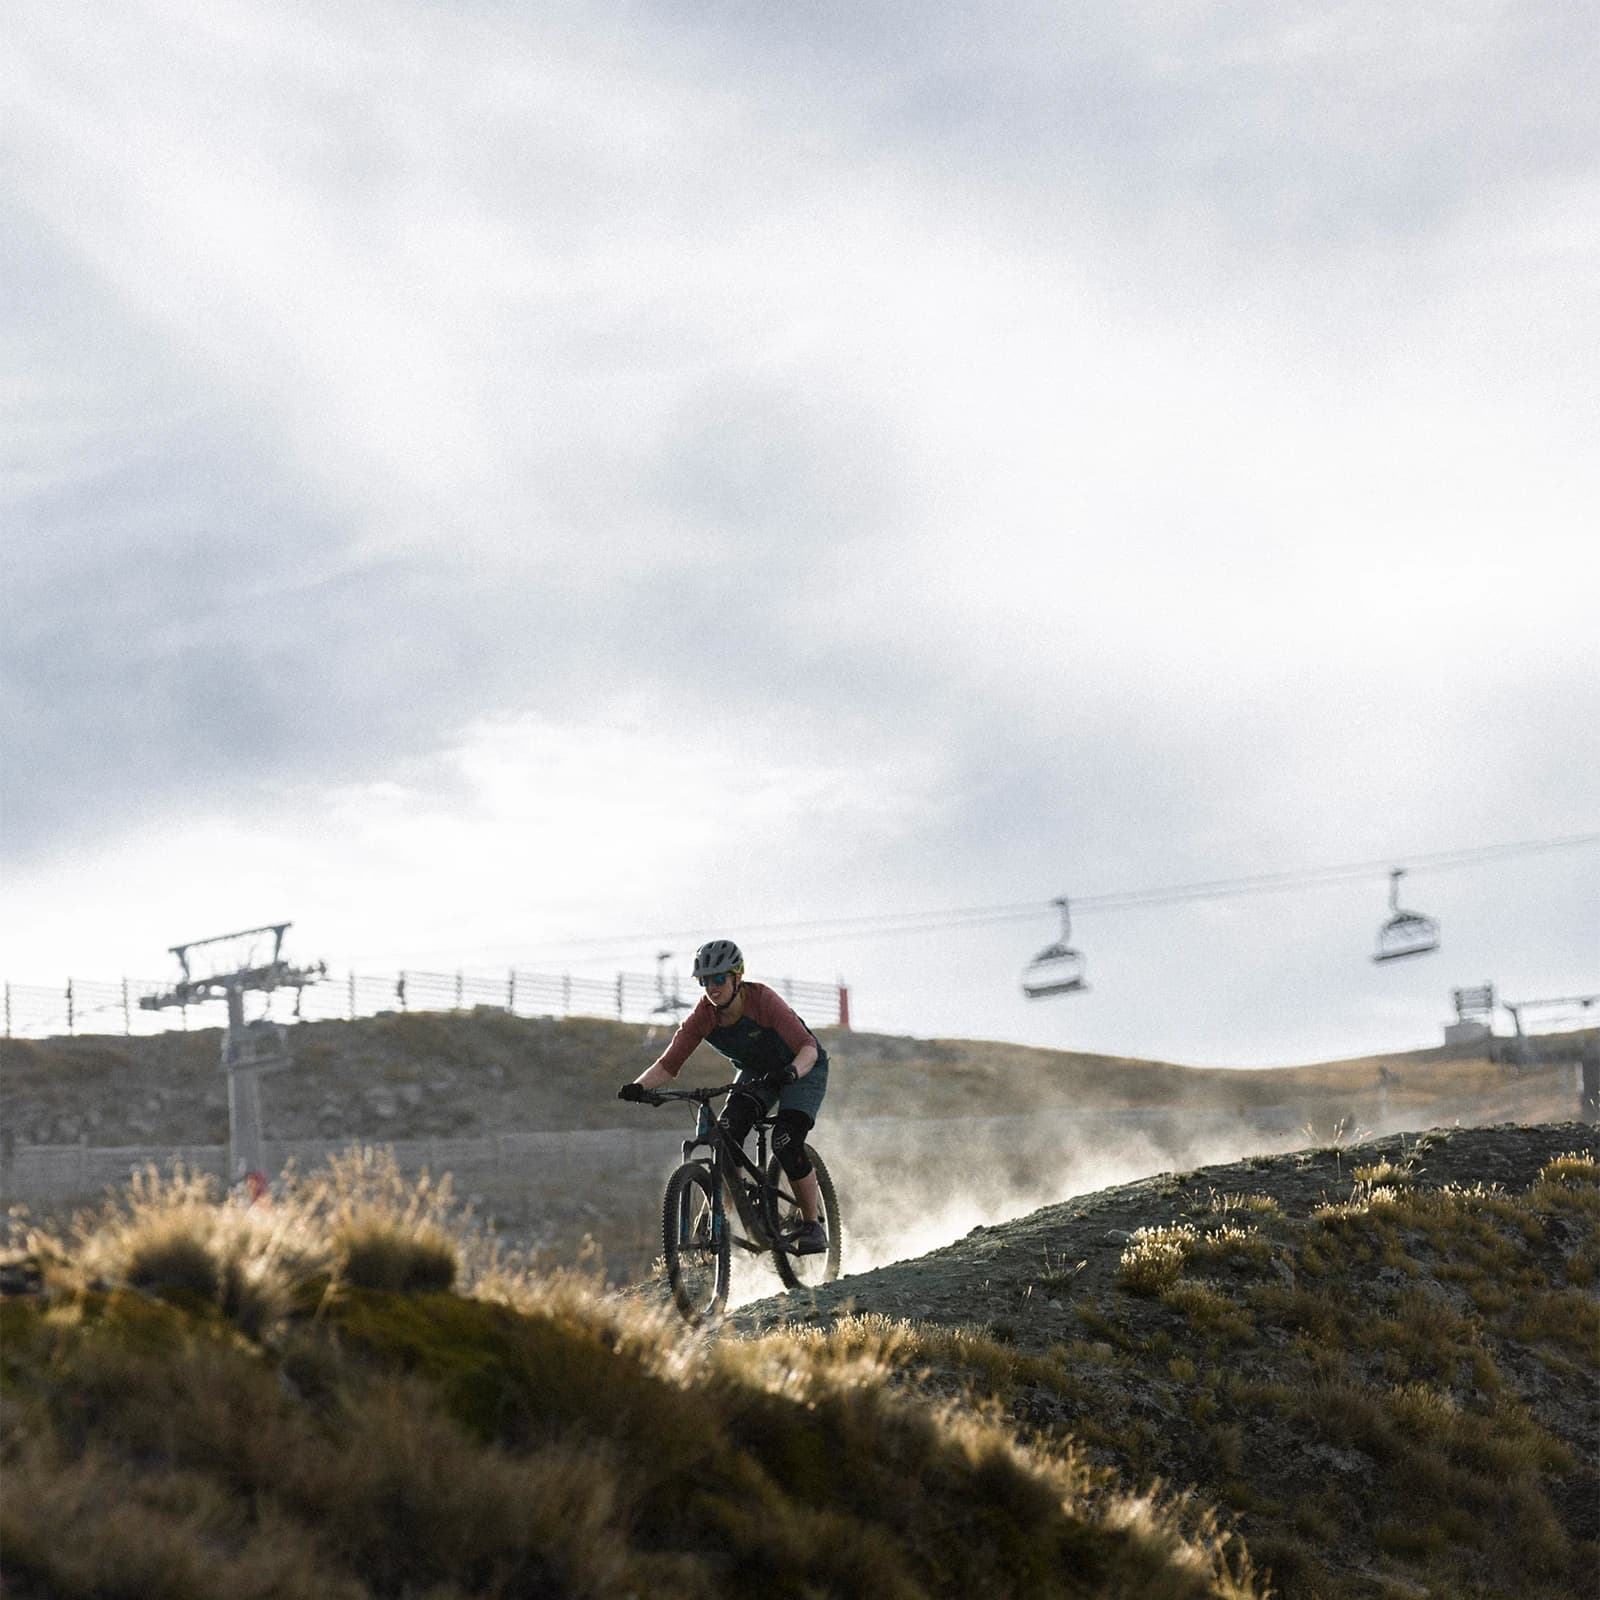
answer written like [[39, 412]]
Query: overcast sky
[[482, 477]]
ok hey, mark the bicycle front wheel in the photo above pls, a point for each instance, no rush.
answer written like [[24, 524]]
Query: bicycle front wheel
[[784, 1219], [694, 1240]]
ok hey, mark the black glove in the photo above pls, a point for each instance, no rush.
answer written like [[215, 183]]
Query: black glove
[[782, 1077], [633, 1091]]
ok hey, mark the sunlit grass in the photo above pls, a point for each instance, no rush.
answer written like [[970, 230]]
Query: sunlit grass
[[356, 1223], [351, 1391], [354, 1382], [1256, 1205], [1241, 1249], [1382, 1174], [1208, 1312], [1153, 1258]]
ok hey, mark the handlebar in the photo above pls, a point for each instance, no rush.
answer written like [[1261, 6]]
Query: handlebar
[[657, 1097]]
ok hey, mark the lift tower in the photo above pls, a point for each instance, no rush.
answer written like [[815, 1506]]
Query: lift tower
[[248, 1048]]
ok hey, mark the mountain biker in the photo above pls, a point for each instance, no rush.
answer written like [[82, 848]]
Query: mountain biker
[[780, 1063]]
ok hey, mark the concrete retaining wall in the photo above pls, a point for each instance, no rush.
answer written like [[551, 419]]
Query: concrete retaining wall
[[510, 1174]]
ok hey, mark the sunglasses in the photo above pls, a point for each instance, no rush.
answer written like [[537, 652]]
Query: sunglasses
[[714, 978]]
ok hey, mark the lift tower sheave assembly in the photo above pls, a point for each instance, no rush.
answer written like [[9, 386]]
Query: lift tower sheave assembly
[[669, 1002], [248, 1048]]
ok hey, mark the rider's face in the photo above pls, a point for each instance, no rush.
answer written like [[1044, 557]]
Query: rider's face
[[720, 989]]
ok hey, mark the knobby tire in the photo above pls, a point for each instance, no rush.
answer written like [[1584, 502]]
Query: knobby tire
[[694, 1239], [783, 1216]]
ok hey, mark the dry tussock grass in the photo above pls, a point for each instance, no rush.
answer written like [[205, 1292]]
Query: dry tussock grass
[[1231, 1246], [1576, 1171], [1384, 1174], [352, 1392], [356, 1223], [1258, 1205], [1210, 1313], [1395, 1327], [1153, 1258], [100, 1526]]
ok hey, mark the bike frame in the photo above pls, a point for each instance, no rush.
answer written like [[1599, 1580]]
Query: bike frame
[[695, 1234], [729, 1164]]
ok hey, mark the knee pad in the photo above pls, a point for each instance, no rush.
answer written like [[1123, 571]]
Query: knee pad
[[789, 1143]]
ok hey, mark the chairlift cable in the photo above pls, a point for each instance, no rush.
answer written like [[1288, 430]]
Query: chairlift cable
[[1133, 899], [888, 924]]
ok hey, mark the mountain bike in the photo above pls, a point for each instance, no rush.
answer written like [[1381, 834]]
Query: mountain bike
[[697, 1233]]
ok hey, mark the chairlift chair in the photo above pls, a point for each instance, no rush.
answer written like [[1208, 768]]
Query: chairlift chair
[[1058, 968], [1406, 933]]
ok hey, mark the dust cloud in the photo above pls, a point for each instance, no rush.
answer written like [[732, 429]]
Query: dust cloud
[[906, 1189]]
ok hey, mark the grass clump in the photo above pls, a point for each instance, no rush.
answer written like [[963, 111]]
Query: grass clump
[[1258, 1205], [1208, 1312], [358, 1223], [1576, 1172], [1241, 1249], [173, 1238], [1153, 1258], [385, 1232], [1382, 1175]]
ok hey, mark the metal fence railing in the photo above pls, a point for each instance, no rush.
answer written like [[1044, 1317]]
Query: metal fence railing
[[96, 1006]]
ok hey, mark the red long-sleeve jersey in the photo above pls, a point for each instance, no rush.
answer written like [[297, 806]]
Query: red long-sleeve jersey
[[768, 1034]]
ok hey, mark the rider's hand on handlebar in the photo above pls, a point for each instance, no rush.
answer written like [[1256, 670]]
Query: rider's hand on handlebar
[[782, 1077], [634, 1091]]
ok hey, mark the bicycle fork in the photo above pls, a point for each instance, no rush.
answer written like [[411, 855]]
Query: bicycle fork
[[686, 1221]]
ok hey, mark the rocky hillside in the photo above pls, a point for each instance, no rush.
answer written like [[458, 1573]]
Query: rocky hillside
[[1345, 1373], [1383, 1360], [480, 1094], [464, 1074]]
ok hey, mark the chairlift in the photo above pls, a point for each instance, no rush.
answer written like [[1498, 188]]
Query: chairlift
[[1406, 933], [1058, 968]]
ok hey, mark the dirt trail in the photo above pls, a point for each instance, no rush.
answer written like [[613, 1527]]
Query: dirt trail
[[1026, 1273]]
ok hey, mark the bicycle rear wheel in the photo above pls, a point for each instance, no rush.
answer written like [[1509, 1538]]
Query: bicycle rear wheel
[[784, 1219], [694, 1241]]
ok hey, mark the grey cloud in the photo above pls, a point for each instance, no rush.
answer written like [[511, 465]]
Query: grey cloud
[[754, 455], [220, 666], [1264, 136], [190, 622]]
